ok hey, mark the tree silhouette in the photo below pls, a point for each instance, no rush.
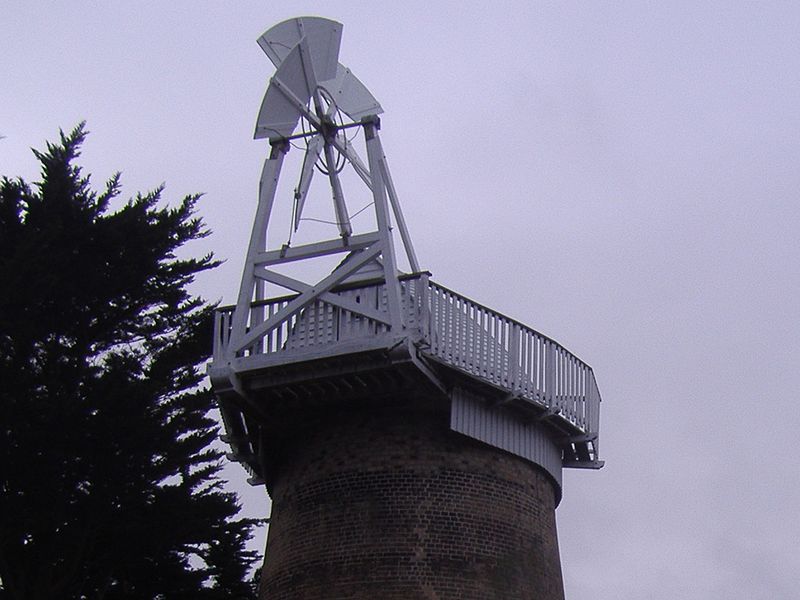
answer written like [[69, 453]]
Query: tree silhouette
[[108, 484]]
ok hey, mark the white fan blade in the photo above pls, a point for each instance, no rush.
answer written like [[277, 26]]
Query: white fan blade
[[350, 95], [324, 38], [288, 92]]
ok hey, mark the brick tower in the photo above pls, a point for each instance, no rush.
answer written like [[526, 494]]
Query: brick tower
[[411, 440]]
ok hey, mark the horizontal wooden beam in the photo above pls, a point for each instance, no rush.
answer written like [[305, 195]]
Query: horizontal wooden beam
[[290, 254]]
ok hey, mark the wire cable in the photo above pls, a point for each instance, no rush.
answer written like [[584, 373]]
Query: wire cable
[[353, 216]]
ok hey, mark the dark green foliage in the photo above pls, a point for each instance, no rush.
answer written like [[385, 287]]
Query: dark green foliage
[[108, 485]]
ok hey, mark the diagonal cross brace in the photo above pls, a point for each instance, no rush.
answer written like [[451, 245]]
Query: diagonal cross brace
[[304, 299], [298, 286]]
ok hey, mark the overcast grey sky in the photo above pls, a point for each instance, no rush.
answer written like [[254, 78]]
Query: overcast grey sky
[[620, 176]]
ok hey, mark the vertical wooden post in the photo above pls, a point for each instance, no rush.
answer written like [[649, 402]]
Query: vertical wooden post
[[375, 157]]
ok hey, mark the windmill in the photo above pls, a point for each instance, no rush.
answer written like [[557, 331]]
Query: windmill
[[387, 415]]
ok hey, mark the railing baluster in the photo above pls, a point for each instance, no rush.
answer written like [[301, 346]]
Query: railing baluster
[[277, 338], [514, 358], [448, 344], [551, 356]]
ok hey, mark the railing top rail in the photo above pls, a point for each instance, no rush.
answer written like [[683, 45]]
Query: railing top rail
[[509, 319]]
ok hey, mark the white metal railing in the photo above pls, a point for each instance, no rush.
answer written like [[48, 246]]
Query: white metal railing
[[452, 328]]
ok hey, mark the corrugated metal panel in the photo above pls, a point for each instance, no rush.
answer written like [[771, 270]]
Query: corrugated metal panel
[[473, 417]]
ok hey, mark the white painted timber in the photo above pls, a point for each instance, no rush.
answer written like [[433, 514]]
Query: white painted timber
[[474, 417]]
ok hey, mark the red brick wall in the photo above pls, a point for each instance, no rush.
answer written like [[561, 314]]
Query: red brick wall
[[390, 505]]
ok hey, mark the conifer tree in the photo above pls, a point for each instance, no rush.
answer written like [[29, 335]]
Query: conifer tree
[[109, 487]]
